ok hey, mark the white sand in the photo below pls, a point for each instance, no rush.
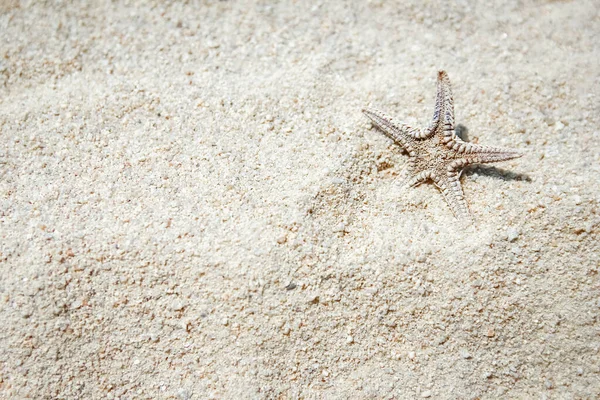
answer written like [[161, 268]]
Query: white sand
[[167, 170]]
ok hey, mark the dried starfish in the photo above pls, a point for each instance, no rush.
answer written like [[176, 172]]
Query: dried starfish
[[436, 153]]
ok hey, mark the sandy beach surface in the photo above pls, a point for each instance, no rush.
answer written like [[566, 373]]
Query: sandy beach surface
[[193, 206]]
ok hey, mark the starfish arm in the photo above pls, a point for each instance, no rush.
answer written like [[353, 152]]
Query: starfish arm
[[450, 187], [444, 107], [419, 178], [399, 132], [478, 154]]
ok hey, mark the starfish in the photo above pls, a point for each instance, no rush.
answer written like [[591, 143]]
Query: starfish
[[437, 154]]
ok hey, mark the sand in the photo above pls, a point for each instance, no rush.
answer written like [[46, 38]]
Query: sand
[[193, 206]]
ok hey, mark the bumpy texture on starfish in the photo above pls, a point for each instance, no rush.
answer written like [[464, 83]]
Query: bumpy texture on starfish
[[436, 153]]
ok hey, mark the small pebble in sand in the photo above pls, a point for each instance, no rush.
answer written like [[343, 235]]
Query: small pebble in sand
[[282, 239], [177, 306], [512, 234], [183, 394]]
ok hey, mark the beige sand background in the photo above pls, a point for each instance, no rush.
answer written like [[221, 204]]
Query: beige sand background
[[193, 206]]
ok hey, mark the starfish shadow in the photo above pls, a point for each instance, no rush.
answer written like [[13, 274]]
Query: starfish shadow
[[496, 172], [462, 132]]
